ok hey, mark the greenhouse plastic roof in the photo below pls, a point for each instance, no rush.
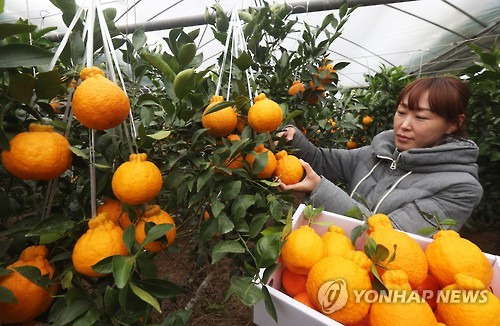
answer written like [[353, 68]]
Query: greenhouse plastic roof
[[423, 36]]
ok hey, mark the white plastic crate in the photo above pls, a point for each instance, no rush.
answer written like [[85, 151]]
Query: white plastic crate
[[291, 312]]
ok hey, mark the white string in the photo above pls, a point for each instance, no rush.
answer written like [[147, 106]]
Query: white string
[[226, 50]]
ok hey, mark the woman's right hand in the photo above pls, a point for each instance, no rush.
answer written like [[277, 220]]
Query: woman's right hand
[[288, 133], [310, 181]]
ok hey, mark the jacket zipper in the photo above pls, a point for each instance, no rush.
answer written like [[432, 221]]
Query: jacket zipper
[[394, 163]]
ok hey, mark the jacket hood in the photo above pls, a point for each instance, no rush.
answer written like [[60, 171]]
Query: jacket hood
[[452, 155]]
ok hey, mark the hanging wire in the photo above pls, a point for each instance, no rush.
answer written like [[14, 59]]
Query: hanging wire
[[161, 12]]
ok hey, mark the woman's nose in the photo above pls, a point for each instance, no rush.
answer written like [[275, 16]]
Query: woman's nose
[[406, 124]]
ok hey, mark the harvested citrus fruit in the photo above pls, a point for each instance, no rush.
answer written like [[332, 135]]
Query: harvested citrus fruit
[[336, 242], [158, 216], [468, 302], [137, 181], [428, 290], [288, 168], [265, 114], [32, 300], [450, 254], [410, 257], [303, 298], [293, 283], [219, 123], [98, 103], [302, 249], [268, 170], [342, 276], [38, 154], [401, 307], [102, 240]]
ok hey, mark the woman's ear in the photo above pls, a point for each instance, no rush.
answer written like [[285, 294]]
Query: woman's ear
[[453, 126]]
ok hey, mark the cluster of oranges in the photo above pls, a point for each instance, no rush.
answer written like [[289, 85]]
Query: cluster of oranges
[[432, 283]]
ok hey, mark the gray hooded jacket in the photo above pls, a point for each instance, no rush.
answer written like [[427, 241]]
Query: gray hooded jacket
[[441, 179]]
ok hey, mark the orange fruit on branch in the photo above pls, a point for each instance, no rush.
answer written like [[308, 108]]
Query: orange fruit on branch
[[115, 213], [351, 144], [104, 238], [32, 300], [367, 120], [288, 168], [98, 103], [450, 254], [268, 170], [219, 123], [137, 181], [237, 161], [265, 114], [330, 70], [296, 87], [38, 154], [158, 216]]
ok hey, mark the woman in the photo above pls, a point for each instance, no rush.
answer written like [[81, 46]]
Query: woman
[[423, 165]]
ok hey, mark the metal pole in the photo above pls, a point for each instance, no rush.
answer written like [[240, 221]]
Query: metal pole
[[298, 7]]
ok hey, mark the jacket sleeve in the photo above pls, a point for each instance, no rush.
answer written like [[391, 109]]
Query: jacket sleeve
[[333, 199], [333, 164], [456, 202]]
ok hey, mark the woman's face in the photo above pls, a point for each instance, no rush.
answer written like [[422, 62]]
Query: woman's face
[[419, 128]]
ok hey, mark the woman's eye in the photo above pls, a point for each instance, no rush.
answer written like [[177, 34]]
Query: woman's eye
[[400, 112], [422, 117]]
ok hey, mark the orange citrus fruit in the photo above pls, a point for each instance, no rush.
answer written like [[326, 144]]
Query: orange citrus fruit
[[98, 103], [429, 284], [158, 216], [367, 120], [271, 162], [303, 298], [102, 240], [296, 87], [219, 123], [449, 254], [293, 283], [265, 114], [288, 168], [115, 213], [38, 154], [410, 257], [303, 248], [352, 144], [137, 181], [32, 300], [237, 161], [336, 242]]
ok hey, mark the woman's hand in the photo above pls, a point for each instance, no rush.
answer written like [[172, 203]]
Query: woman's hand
[[307, 184], [288, 133]]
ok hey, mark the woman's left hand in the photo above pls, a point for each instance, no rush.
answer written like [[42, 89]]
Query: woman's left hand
[[308, 184]]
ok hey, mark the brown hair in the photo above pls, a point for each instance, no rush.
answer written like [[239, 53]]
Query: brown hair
[[448, 97]]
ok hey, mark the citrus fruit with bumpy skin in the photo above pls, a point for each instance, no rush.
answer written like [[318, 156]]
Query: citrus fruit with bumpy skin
[[449, 254], [351, 276], [402, 307], [237, 161], [293, 283], [158, 216], [32, 300], [330, 70], [219, 123], [336, 242], [410, 257], [296, 87], [38, 154], [98, 103], [265, 114], [137, 181], [302, 249], [303, 298], [431, 288], [288, 168], [115, 213], [271, 162], [240, 124], [102, 240], [471, 303]]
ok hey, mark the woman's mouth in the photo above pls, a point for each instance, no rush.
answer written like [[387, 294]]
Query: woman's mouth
[[403, 138]]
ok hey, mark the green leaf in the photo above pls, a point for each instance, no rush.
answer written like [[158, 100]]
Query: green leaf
[[177, 318], [33, 274], [267, 250], [7, 30], [6, 295], [146, 297], [225, 225], [162, 134], [370, 247], [23, 55], [139, 39], [21, 87], [204, 177], [231, 190], [224, 247], [72, 311], [241, 204], [186, 54], [256, 225], [260, 163], [89, 318], [381, 253], [449, 221], [340, 65], [110, 299], [184, 82], [105, 266], [156, 61], [245, 290], [358, 231], [122, 268], [47, 84], [354, 212], [51, 229], [161, 288], [270, 308], [78, 152], [156, 232], [244, 61], [129, 237], [427, 231]]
